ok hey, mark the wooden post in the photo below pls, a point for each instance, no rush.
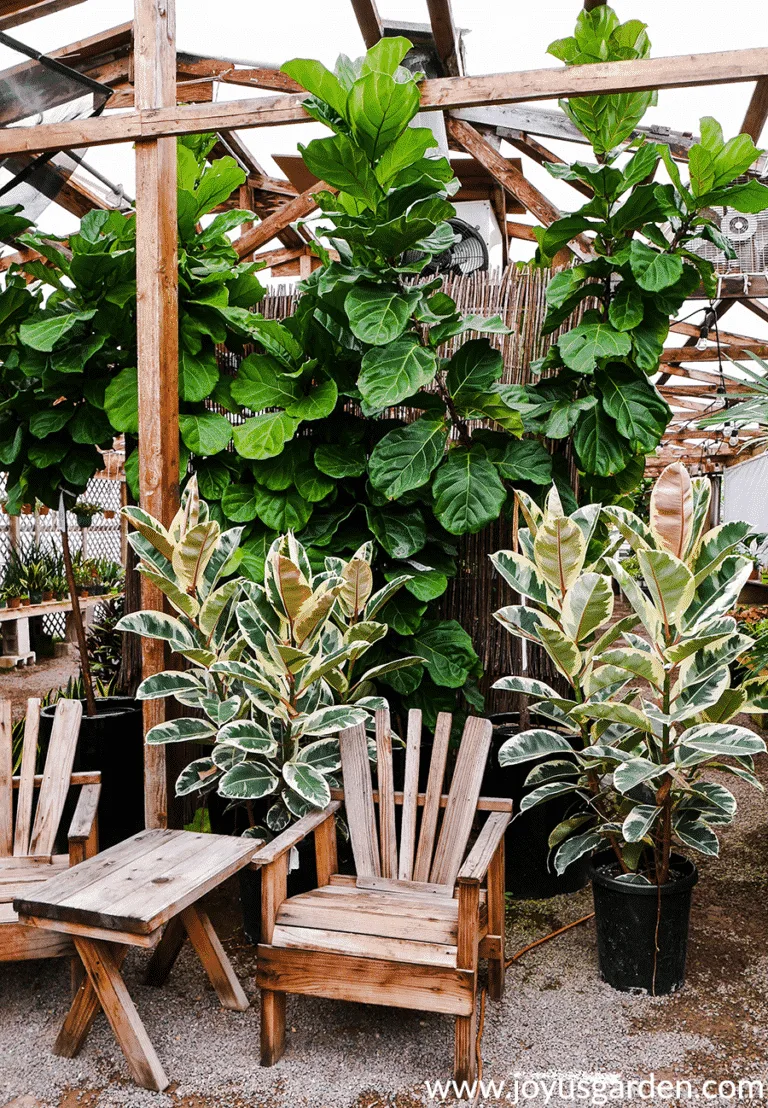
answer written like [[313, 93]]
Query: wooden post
[[158, 336]]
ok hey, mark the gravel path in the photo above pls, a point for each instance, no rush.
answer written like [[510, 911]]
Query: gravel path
[[556, 1018], [46, 674]]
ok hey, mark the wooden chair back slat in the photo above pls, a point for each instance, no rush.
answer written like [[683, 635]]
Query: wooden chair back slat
[[58, 768], [387, 831], [6, 780], [410, 796], [27, 778], [358, 800], [462, 801], [432, 802]]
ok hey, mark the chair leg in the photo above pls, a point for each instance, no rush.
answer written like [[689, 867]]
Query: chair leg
[[272, 1026], [464, 1055], [496, 921]]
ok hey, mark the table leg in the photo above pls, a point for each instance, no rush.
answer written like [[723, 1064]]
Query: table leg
[[104, 974], [165, 953], [213, 956], [83, 1010]]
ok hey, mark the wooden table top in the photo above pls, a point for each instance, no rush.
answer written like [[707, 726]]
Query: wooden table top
[[139, 884]]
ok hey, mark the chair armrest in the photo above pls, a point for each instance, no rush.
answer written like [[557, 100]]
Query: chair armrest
[[480, 856], [292, 836], [85, 814]]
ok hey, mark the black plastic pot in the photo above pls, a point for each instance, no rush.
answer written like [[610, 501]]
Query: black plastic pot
[[642, 930], [530, 874], [111, 742], [300, 880]]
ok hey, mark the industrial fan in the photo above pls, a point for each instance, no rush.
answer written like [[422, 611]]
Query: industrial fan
[[467, 255]]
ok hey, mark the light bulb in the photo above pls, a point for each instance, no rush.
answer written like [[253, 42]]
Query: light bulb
[[701, 343]]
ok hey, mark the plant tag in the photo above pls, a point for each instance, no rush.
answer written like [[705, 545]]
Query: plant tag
[[293, 860]]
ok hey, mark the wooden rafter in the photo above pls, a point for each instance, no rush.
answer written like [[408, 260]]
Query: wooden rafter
[[729, 66], [368, 20], [517, 230], [270, 227], [15, 12], [229, 72], [446, 36], [757, 111], [530, 146], [732, 350], [508, 176]]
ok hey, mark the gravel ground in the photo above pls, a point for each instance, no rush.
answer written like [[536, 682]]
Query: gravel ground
[[48, 673], [557, 1017]]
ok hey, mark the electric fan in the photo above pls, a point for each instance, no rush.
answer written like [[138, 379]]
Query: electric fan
[[467, 255]]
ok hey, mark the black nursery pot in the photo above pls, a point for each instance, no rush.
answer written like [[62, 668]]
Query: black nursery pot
[[642, 930], [530, 874], [112, 743]]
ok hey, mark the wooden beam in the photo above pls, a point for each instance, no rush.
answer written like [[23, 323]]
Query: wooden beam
[[270, 227], [528, 145], [229, 72], [757, 111], [691, 354], [369, 21], [758, 309], [693, 70], [447, 38], [15, 12], [508, 176], [157, 328], [520, 231]]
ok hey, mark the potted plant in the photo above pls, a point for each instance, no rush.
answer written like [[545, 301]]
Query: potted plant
[[274, 669], [37, 574], [84, 512], [653, 699]]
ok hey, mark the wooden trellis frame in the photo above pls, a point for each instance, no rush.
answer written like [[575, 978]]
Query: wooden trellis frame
[[162, 79]]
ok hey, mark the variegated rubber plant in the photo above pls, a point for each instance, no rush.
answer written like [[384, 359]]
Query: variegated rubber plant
[[653, 698], [274, 668]]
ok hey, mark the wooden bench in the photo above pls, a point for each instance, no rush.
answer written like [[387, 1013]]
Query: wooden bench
[[126, 896], [409, 928], [28, 831]]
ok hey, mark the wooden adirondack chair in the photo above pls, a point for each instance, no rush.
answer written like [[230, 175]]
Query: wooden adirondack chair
[[27, 845], [408, 929]]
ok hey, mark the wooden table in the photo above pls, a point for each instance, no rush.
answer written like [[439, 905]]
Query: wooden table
[[14, 625], [142, 892]]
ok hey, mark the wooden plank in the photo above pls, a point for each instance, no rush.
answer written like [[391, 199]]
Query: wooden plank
[[270, 227], [368, 20], [214, 959], [274, 880], [465, 1060], [432, 798], [292, 836], [358, 792], [365, 980], [496, 923], [420, 922], [85, 815], [484, 804], [681, 354], [447, 38], [58, 767], [75, 779], [462, 803], [687, 71], [83, 1011], [104, 973], [85, 931], [364, 946], [20, 943], [6, 779], [480, 856], [517, 230], [511, 179], [326, 857], [757, 111], [157, 330], [398, 885], [410, 794], [15, 12], [387, 831]]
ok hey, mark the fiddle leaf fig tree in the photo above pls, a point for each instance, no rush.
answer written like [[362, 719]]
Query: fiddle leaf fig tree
[[651, 715], [642, 230], [274, 668], [68, 344]]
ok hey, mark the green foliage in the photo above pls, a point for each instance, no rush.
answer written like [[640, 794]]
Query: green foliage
[[649, 717], [274, 668], [68, 340], [641, 270]]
